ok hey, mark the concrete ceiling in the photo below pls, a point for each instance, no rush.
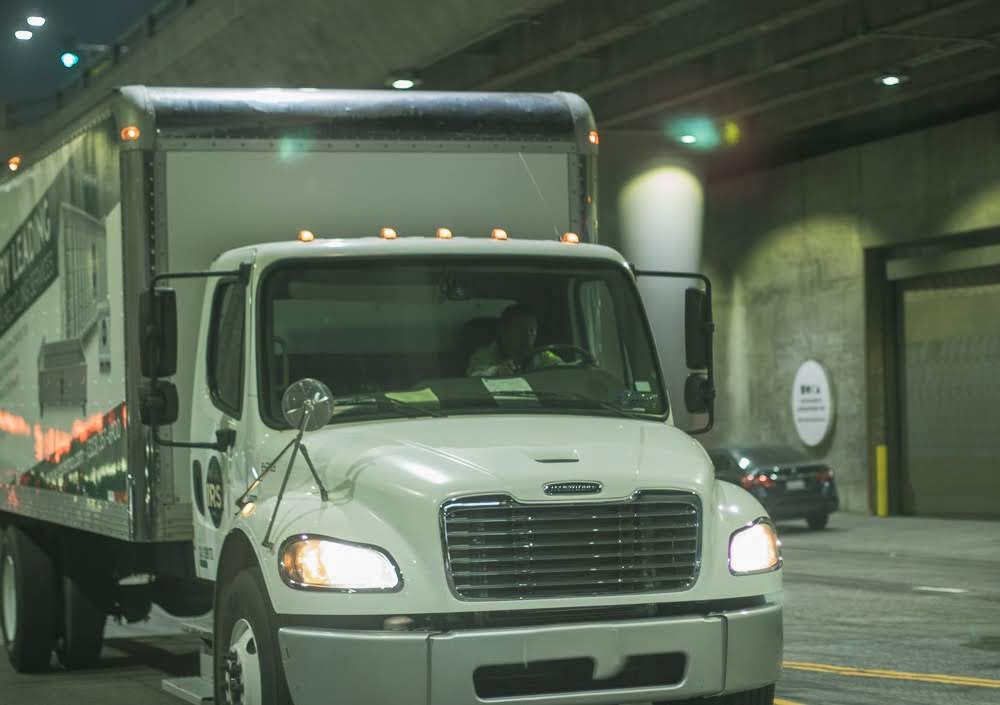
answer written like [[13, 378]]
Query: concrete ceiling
[[793, 77]]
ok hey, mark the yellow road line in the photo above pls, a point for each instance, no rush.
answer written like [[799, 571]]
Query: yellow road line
[[894, 675], [782, 701]]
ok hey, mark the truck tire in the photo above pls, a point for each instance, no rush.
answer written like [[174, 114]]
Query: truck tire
[[82, 634], [27, 601], [818, 522], [761, 696], [247, 661]]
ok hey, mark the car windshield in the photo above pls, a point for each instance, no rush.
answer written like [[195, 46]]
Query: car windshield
[[459, 335], [763, 456]]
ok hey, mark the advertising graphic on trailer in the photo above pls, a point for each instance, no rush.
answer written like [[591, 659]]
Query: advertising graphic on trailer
[[62, 385]]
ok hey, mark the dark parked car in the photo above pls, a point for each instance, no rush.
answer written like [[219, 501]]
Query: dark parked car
[[789, 483]]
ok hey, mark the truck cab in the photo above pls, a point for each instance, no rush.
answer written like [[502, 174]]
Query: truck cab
[[489, 498]]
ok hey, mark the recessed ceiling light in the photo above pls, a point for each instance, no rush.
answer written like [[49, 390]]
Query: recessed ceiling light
[[688, 139], [403, 81], [23, 34], [36, 21], [891, 78]]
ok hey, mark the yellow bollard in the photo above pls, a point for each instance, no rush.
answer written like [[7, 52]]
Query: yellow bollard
[[882, 481]]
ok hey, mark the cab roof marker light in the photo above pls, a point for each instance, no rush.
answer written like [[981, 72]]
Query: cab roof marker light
[[306, 236], [388, 234], [443, 234], [130, 133], [14, 163], [499, 234], [570, 238]]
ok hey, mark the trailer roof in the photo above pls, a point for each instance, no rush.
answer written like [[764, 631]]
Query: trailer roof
[[250, 113]]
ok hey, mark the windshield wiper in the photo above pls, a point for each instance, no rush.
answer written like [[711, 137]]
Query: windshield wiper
[[572, 396], [385, 403]]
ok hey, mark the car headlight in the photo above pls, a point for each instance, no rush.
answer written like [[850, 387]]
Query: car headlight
[[315, 562], [754, 549]]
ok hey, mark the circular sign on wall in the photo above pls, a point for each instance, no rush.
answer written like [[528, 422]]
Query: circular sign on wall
[[812, 403]]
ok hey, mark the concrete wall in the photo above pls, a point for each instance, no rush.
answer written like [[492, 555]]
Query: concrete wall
[[786, 251]]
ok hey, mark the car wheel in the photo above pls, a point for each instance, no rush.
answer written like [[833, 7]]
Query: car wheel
[[26, 601], [82, 637], [817, 522], [247, 664], [761, 696]]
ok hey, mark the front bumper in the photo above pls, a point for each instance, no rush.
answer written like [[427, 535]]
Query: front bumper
[[722, 653]]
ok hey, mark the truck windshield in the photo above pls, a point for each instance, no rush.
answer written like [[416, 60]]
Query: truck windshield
[[459, 336]]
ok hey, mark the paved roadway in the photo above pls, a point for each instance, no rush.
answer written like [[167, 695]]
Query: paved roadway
[[878, 612]]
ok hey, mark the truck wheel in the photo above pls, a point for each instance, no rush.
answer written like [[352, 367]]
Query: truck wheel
[[247, 662], [817, 522], [82, 628], [26, 601], [761, 696]]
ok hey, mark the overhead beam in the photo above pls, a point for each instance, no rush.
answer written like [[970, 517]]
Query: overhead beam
[[762, 21], [643, 108], [856, 77], [531, 45], [572, 30]]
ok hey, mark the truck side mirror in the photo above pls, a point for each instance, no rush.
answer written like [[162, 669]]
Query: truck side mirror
[[697, 329], [158, 403], [158, 348], [699, 394]]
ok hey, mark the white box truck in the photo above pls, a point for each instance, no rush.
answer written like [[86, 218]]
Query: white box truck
[[342, 379]]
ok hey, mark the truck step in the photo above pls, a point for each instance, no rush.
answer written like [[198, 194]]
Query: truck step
[[195, 689], [200, 627]]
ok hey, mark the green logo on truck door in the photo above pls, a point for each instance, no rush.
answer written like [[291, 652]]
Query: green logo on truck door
[[213, 491]]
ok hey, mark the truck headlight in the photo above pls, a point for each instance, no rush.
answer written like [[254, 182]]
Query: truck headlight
[[754, 549], [317, 562]]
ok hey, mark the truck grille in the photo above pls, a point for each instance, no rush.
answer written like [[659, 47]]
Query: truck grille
[[498, 548]]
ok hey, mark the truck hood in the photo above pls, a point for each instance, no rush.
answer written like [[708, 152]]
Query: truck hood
[[437, 459]]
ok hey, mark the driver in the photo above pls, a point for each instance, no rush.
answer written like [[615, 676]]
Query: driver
[[514, 349]]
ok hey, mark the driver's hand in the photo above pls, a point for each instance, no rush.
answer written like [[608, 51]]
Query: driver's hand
[[507, 367]]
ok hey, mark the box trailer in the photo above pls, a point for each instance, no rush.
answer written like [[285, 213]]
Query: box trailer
[[343, 379]]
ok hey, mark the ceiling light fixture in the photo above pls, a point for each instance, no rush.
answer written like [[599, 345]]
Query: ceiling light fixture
[[891, 78], [23, 34], [36, 21], [688, 139], [403, 81]]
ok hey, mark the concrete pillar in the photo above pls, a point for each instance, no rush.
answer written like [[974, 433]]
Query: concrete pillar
[[660, 212]]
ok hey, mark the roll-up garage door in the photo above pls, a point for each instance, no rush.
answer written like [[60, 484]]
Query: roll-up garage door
[[950, 393]]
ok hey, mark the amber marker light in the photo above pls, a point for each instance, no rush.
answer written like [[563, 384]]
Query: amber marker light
[[593, 137], [570, 238], [499, 234], [130, 133], [14, 163], [306, 236], [443, 234], [388, 234]]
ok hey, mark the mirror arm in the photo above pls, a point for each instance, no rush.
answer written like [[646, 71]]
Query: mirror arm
[[297, 444], [224, 440]]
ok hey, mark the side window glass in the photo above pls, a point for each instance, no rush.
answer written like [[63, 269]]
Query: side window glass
[[601, 327], [225, 347]]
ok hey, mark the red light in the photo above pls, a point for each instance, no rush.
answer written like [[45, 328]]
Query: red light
[[593, 137], [746, 481], [129, 133], [764, 481], [824, 475]]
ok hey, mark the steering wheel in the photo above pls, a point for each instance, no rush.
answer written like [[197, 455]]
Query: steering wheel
[[586, 355]]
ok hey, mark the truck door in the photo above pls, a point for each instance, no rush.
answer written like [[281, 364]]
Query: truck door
[[217, 405]]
